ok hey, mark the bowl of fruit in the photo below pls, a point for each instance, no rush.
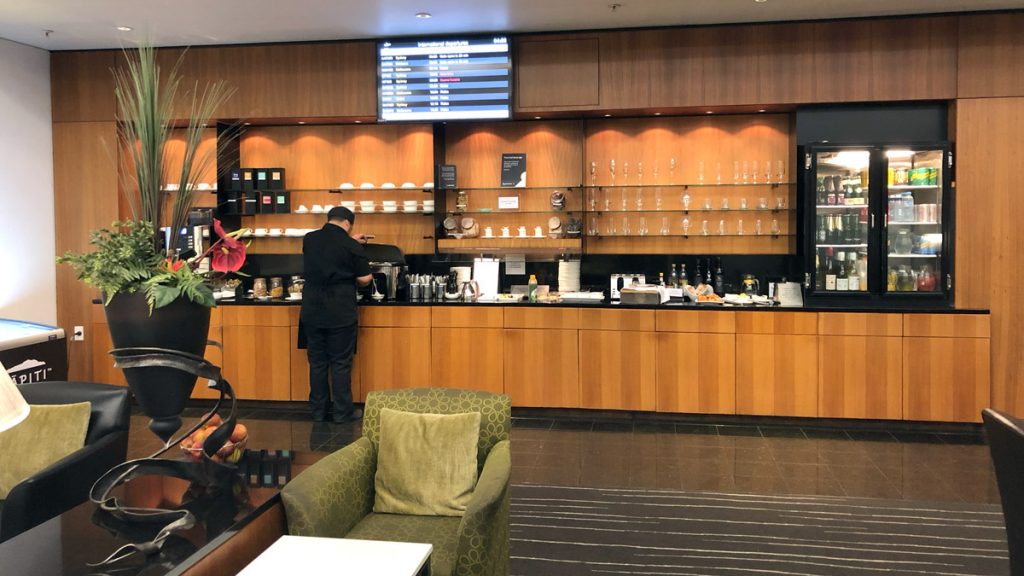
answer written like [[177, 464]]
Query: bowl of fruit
[[230, 452]]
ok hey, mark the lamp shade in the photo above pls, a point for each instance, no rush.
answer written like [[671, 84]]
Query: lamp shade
[[13, 408]]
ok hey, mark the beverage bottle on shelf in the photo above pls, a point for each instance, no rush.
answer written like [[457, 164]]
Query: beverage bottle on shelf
[[830, 271], [531, 288], [673, 278], [842, 279], [852, 273], [862, 272], [841, 193], [840, 235], [719, 279], [707, 272], [862, 225], [684, 281], [890, 279], [822, 235], [661, 278], [819, 272], [852, 228], [820, 195]]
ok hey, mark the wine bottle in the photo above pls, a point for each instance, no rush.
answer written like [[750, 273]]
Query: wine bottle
[[830, 271], [719, 279], [822, 229], [819, 272], [842, 279], [673, 278], [852, 273], [684, 280]]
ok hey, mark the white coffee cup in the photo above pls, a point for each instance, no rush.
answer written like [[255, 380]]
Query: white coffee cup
[[301, 209], [260, 232], [318, 209], [522, 231], [505, 233], [488, 232]]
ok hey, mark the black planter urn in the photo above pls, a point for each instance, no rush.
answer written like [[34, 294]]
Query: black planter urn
[[181, 325]]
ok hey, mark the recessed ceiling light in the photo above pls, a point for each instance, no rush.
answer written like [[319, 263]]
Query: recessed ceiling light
[[760, 1], [424, 15], [657, 113], [301, 122], [125, 28], [710, 112], [607, 115], [761, 110], [536, 117], [359, 121]]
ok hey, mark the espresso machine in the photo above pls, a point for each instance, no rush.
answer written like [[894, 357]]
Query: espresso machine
[[387, 264]]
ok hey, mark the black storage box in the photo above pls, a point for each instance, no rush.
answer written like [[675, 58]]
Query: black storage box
[[248, 182], [275, 178], [230, 203], [252, 203], [234, 179], [282, 203], [266, 202], [260, 175]]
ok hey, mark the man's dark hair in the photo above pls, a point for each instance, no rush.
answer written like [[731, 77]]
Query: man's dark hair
[[340, 213]]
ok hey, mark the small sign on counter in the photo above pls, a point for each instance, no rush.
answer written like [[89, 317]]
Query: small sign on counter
[[513, 170], [515, 264], [508, 202]]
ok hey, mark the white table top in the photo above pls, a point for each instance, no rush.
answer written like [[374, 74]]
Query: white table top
[[343, 556]]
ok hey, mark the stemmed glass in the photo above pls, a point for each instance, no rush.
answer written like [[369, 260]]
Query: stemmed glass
[[757, 227], [780, 170], [721, 227], [664, 225], [775, 227], [625, 225], [686, 226], [739, 227]]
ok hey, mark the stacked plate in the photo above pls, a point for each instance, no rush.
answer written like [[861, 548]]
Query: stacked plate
[[569, 276]]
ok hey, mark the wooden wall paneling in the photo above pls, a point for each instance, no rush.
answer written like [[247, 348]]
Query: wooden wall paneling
[[467, 317], [988, 220], [257, 315], [860, 377], [692, 245], [326, 79], [712, 321], [777, 374], [776, 323], [547, 318], [82, 86], [468, 358], [730, 64], [85, 192], [554, 151], [913, 58], [202, 66], [945, 379], [947, 325], [785, 63], [391, 358], [625, 69], [256, 361], [328, 155], [557, 73], [842, 61], [618, 369], [859, 324], [214, 354], [641, 320], [676, 61], [102, 362], [696, 373], [542, 367], [991, 48]]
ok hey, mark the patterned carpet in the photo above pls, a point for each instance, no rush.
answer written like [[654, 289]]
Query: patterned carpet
[[562, 531]]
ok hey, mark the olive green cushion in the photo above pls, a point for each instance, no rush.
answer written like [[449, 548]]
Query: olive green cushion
[[50, 432], [426, 463], [440, 531]]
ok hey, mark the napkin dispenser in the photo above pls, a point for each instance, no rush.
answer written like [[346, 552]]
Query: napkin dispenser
[[644, 295]]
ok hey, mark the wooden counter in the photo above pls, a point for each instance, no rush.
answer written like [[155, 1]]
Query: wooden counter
[[828, 364]]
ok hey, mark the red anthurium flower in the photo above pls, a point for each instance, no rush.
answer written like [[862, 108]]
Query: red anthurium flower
[[228, 253]]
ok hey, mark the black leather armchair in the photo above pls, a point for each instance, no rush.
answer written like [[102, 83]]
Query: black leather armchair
[[65, 483], [1006, 441]]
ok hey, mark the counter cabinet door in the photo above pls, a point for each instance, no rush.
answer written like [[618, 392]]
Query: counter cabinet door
[[542, 368], [617, 369], [392, 358], [860, 377], [697, 373], [946, 379], [467, 358], [777, 374], [256, 362]]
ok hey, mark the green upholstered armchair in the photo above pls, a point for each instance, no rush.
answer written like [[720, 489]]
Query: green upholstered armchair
[[334, 497]]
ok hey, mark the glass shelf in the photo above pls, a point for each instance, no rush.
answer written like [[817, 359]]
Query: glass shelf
[[688, 236], [510, 188], [696, 185], [511, 212], [683, 211], [841, 245], [914, 223], [895, 255], [840, 206], [913, 186]]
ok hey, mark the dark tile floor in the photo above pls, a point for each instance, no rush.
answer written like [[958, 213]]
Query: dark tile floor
[[751, 457]]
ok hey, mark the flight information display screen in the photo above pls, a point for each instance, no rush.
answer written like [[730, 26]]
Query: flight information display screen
[[444, 79]]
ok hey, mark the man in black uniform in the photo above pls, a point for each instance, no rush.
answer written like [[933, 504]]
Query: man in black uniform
[[335, 264]]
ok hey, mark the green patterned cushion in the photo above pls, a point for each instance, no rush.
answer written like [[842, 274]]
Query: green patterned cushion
[[440, 531], [426, 463], [50, 432], [495, 411]]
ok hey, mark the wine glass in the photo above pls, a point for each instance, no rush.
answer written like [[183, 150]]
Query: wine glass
[[686, 226], [721, 227], [757, 227], [639, 199], [746, 171], [641, 227], [704, 228], [664, 225], [671, 170], [700, 172], [775, 227], [780, 170], [725, 203], [625, 225], [657, 199], [735, 171], [625, 173], [611, 169], [686, 200], [640, 173], [718, 173]]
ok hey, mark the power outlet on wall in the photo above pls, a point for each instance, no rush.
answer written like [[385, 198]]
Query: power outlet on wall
[[78, 335]]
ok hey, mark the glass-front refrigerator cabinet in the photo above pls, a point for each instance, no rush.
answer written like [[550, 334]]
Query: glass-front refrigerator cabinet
[[877, 221]]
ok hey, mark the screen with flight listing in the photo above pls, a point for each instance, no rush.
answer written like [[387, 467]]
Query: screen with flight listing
[[444, 79]]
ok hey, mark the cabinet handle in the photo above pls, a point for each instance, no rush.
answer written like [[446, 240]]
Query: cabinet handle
[[807, 279], [872, 221], [949, 281]]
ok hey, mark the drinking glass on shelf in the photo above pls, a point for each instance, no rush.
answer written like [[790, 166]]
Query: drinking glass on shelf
[[780, 170], [762, 203], [639, 199], [625, 200], [767, 171], [656, 172], [609, 229], [700, 172], [746, 171], [721, 227], [707, 203], [593, 173], [625, 225], [725, 203], [664, 225], [640, 173], [743, 203], [611, 169], [686, 226], [607, 199], [593, 226], [735, 171], [718, 172], [753, 172], [739, 227], [780, 203], [704, 228], [686, 200], [657, 199], [592, 199], [671, 170], [641, 227], [625, 173], [757, 227], [775, 227]]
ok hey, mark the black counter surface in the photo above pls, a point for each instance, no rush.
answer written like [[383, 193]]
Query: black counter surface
[[615, 305]]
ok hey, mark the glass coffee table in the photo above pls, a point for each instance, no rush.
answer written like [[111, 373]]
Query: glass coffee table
[[308, 555]]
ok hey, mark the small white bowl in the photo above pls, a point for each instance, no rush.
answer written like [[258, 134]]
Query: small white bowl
[[428, 185], [389, 202], [367, 185], [276, 232], [346, 186], [350, 204], [388, 185], [317, 209], [328, 207], [390, 209], [259, 232], [203, 186], [301, 209], [367, 209], [408, 185], [408, 208]]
